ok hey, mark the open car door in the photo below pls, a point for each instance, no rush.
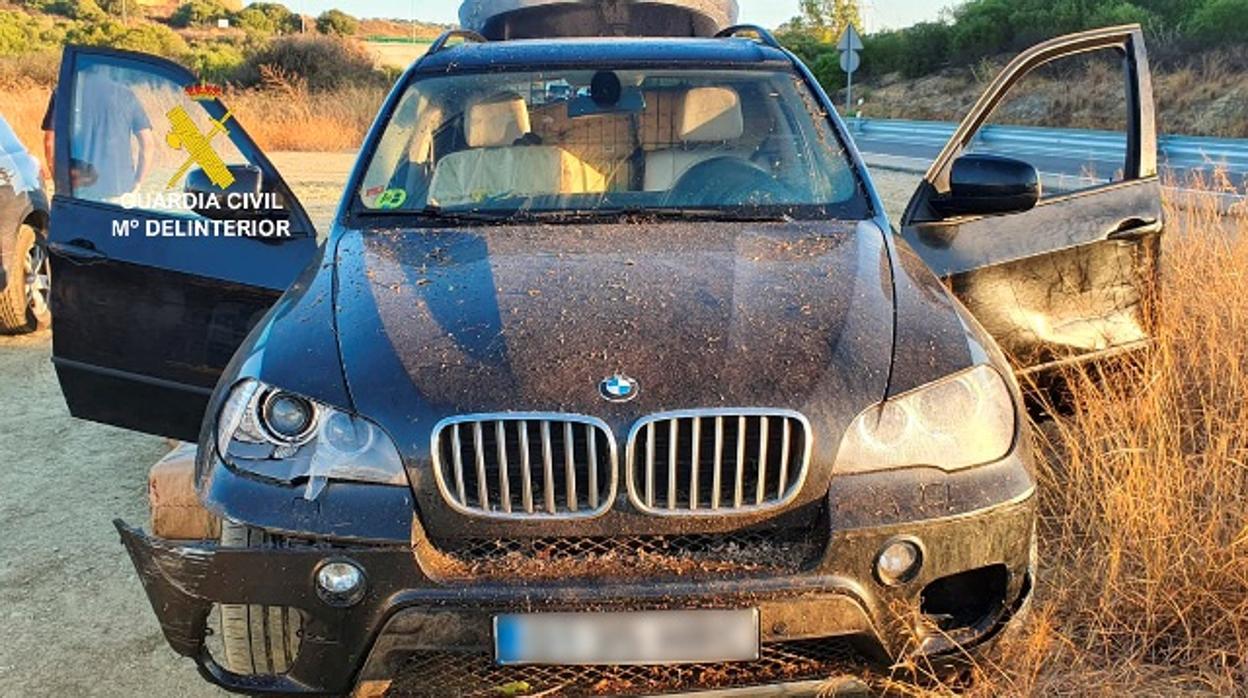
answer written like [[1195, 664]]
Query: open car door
[[1059, 267], [171, 235]]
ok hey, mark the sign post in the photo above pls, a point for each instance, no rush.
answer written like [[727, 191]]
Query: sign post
[[849, 46]]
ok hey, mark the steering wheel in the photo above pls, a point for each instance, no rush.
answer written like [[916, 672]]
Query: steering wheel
[[727, 181]]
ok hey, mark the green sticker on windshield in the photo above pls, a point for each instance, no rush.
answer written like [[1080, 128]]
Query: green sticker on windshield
[[392, 198]]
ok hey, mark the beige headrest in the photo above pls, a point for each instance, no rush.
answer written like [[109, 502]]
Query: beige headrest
[[497, 121], [711, 115]]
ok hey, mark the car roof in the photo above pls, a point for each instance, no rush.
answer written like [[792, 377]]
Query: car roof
[[532, 53]]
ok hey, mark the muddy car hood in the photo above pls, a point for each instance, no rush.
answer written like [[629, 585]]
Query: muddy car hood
[[434, 323]]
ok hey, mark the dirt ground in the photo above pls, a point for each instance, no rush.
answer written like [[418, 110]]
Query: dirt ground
[[75, 618], [397, 54]]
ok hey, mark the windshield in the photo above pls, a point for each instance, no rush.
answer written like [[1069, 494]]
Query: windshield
[[577, 143]]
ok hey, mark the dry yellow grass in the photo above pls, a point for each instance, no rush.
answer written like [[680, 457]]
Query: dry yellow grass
[[279, 117], [1143, 583], [23, 109], [1144, 534], [284, 115]]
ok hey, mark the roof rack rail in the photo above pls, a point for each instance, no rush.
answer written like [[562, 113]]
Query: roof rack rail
[[468, 36], [762, 35]]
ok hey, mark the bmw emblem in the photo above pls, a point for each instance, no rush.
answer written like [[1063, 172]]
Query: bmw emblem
[[618, 388]]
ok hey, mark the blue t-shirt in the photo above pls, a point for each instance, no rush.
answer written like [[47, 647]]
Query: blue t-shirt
[[107, 116]]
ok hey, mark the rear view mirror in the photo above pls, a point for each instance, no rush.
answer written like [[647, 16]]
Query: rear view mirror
[[607, 95], [989, 184], [244, 198]]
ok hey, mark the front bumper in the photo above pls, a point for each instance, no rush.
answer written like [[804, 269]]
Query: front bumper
[[406, 612]]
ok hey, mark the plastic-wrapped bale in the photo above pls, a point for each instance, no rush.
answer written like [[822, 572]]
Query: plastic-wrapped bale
[[176, 511], [535, 19]]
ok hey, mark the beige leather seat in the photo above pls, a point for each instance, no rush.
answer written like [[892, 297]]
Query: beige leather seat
[[709, 124], [494, 167]]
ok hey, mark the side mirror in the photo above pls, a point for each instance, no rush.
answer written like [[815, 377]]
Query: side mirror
[[989, 184], [244, 198]]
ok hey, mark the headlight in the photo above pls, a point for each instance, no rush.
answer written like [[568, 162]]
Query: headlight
[[290, 438], [963, 420]]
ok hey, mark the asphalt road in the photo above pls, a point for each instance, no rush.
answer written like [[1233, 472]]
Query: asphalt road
[[1067, 171]]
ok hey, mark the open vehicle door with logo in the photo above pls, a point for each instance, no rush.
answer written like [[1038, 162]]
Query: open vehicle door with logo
[[171, 235], [1057, 266]]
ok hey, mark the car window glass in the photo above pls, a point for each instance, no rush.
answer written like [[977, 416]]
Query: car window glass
[[144, 140], [1087, 92], [586, 140]]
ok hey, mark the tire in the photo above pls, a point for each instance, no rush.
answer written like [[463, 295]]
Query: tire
[[258, 640], [24, 300]]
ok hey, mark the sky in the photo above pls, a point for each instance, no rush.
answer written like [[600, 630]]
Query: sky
[[880, 14]]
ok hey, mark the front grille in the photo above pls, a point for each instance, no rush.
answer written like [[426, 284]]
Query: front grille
[[525, 465], [472, 674], [738, 553], [717, 461]]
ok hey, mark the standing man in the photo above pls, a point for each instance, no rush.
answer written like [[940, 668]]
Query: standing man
[[103, 162]]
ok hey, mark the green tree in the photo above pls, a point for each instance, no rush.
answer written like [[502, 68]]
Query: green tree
[[338, 23], [826, 19], [199, 13]]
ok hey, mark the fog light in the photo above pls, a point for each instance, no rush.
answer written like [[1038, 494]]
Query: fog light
[[899, 562], [340, 583]]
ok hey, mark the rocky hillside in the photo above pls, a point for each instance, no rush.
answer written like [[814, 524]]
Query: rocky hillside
[[1203, 94]]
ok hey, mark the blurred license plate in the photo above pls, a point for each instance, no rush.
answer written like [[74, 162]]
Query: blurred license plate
[[644, 637]]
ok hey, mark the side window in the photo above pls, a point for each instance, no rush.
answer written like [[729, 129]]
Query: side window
[[1087, 91], [137, 137]]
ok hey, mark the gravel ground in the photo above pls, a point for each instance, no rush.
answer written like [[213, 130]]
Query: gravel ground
[[75, 617], [76, 621]]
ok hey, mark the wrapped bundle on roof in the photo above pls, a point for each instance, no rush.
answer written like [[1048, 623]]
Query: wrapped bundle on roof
[[533, 19]]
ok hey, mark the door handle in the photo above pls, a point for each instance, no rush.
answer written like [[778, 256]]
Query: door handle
[[79, 250], [1134, 228]]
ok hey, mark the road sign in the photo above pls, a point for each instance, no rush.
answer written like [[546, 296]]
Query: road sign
[[849, 46], [850, 60], [850, 40]]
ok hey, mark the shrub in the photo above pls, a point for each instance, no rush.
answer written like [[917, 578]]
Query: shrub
[[216, 61], [1221, 20], [18, 31], [320, 62], [338, 23], [145, 37], [87, 10], [268, 18], [199, 13], [926, 47], [21, 71]]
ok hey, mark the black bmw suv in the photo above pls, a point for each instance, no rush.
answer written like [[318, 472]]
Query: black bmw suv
[[626, 388]]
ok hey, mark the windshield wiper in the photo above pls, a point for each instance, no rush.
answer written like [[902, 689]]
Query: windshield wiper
[[579, 215], [699, 214], [479, 217], [441, 215]]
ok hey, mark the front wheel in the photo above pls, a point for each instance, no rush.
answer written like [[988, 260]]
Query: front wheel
[[24, 299], [258, 640]]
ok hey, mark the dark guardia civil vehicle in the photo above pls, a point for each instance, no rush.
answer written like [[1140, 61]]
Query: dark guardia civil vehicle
[[611, 376]]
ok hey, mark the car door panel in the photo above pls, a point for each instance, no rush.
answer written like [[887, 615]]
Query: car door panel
[[1069, 279], [144, 324]]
